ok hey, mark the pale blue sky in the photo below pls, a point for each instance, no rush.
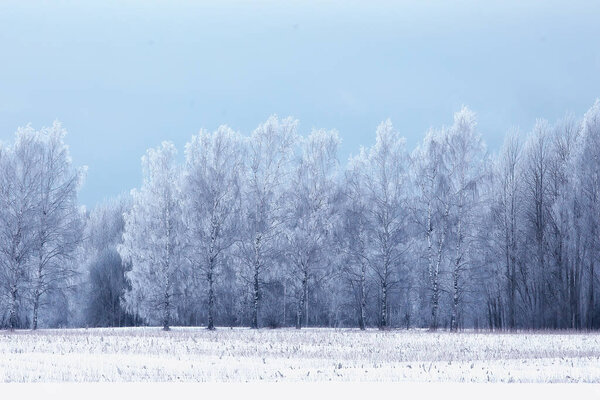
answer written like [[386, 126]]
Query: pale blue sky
[[123, 76]]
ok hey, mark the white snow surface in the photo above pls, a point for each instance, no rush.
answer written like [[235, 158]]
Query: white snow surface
[[319, 354]]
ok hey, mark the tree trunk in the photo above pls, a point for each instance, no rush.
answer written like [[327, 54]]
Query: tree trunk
[[434, 306], [454, 318], [513, 297], [167, 308], [591, 297], [303, 295], [211, 295], [434, 269], [455, 274], [36, 297], [383, 324], [436, 279], [512, 257], [284, 302], [299, 315], [256, 293], [512, 281], [36, 303], [306, 300], [363, 298], [255, 299], [432, 277], [13, 308]]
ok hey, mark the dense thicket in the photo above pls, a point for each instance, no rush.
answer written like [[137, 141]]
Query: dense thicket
[[270, 230]]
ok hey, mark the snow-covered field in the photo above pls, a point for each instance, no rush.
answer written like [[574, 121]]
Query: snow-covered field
[[239, 355]]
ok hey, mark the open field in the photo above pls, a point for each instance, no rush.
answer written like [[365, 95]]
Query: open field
[[195, 354]]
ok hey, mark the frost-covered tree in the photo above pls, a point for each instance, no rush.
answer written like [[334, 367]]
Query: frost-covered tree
[[153, 239], [41, 223], [58, 221], [106, 280], [587, 166], [541, 220], [464, 159], [560, 227], [18, 186], [506, 217], [251, 226], [431, 208], [312, 214], [383, 175], [568, 226], [536, 208], [352, 237], [212, 202], [271, 149]]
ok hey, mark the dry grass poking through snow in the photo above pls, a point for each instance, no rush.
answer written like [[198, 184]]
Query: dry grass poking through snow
[[195, 354]]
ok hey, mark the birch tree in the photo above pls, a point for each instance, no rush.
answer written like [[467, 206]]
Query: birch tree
[[18, 185], [212, 202], [58, 221], [507, 217], [152, 239], [587, 162], [271, 150], [311, 210], [563, 139], [352, 236], [432, 209], [464, 158], [384, 178], [537, 205]]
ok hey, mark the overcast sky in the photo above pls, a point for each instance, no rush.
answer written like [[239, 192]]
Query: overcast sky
[[123, 76]]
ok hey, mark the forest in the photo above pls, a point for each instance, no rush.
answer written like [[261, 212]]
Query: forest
[[270, 229]]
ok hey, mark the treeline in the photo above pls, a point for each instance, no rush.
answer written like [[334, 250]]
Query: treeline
[[269, 230]]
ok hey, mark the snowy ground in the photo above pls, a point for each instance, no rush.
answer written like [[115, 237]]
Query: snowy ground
[[239, 355]]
